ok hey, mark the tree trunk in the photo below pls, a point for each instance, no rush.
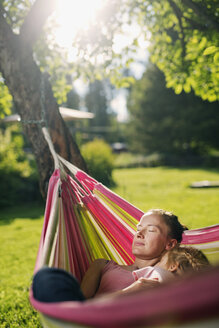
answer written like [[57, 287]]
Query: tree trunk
[[24, 80]]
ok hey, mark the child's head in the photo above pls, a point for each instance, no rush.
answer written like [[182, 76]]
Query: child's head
[[182, 259]]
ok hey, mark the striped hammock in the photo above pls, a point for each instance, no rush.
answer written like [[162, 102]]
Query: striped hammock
[[84, 221]]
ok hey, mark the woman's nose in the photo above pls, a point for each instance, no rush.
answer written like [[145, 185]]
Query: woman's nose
[[140, 234]]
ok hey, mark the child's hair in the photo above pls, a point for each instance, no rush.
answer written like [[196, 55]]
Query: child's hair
[[176, 229], [187, 258]]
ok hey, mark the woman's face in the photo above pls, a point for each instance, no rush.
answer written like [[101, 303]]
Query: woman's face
[[151, 238]]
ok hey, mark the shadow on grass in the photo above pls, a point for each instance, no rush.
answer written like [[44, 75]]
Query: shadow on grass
[[23, 211]]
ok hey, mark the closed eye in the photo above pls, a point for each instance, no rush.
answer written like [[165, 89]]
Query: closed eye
[[152, 229]]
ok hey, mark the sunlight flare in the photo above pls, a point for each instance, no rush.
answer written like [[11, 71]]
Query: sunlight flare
[[72, 16]]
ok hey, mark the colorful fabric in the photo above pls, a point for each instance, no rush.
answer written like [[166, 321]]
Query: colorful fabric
[[84, 220]]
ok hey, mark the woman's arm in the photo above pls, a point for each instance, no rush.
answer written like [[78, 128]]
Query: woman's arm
[[91, 279], [139, 285]]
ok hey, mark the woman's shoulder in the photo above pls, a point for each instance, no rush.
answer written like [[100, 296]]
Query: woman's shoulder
[[99, 263]]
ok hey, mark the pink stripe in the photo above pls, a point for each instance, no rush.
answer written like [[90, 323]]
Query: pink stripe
[[78, 188], [118, 235], [190, 299], [75, 241], [88, 180], [126, 206], [201, 236]]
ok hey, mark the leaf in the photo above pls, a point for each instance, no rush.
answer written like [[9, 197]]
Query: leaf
[[203, 42], [170, 83], [178, 89], [209, 50], [216, 58], [212, 97], [187, 87]]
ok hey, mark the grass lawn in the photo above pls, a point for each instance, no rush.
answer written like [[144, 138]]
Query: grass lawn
[[168, 188], [20, 228]]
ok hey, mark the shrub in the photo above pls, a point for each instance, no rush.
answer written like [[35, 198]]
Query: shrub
[[19, 182], [99, 159]]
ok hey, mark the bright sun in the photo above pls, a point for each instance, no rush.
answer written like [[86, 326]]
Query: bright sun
[[73, 15]]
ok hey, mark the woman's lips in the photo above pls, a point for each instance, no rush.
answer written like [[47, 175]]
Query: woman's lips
[[139, 244]]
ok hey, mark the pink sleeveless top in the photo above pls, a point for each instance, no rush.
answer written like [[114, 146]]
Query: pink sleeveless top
[[114, 278]]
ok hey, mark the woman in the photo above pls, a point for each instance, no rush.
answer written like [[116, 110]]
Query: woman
[[157, 232]]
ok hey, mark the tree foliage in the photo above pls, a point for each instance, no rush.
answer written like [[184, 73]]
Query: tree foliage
[[161, 121], [183, 36], [185, 45], [5, 100], [17, 169], [12, 155]]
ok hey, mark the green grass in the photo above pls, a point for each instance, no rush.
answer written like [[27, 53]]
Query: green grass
[[168, 188], [20, 228], [19, 238]]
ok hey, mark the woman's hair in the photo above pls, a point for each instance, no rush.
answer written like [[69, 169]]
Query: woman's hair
[[176, 229], [187, 258]]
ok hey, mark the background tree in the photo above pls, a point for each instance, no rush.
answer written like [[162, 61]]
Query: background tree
[[73, 100], [161, 121], [31, 90], [97, 101]]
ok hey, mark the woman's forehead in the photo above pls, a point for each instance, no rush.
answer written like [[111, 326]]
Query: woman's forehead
[[151, 218]]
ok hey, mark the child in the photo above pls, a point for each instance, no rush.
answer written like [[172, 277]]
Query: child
[[175, 261]]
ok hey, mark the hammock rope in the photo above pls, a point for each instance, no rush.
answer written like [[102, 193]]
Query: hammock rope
[[84, 221]]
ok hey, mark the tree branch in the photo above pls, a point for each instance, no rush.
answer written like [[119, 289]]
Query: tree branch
[[35, 20], [202, 12], [179, 16], [196, 25]]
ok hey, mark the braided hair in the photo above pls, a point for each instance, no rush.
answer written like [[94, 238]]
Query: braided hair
[[176, 229], [187, 258]]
